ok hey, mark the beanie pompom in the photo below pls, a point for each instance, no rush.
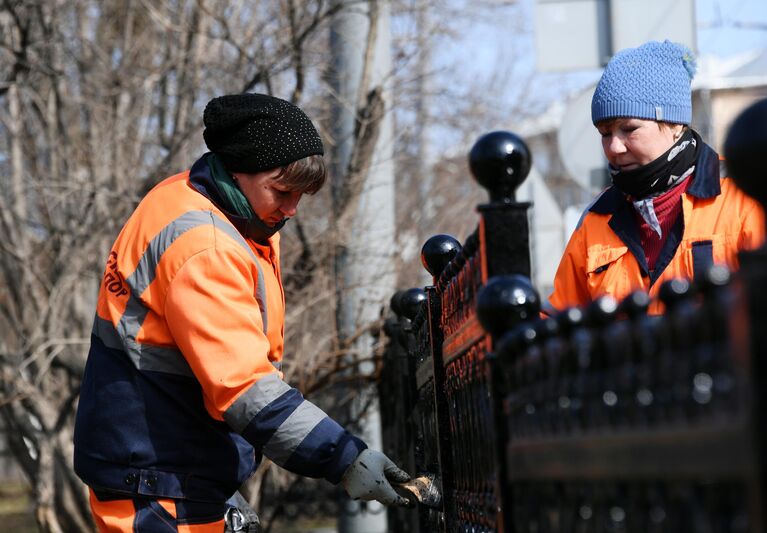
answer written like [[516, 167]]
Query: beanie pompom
[[689, 62], [688, 57]]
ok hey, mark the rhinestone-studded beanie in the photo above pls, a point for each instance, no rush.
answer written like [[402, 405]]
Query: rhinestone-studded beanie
[[650, 82], [255, 132]]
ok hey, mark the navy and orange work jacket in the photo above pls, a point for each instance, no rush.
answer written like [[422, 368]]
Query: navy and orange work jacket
[[182, 391], [605, 254]]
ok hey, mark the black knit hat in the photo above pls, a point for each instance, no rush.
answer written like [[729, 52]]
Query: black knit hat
[[256, 132]]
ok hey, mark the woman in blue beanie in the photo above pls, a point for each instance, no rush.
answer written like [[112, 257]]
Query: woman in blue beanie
[[670, 211]]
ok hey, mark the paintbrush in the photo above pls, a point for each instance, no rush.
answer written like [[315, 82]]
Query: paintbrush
[[423, 489]]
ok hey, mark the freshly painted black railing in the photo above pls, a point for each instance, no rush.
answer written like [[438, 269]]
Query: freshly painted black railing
[[598, 419]]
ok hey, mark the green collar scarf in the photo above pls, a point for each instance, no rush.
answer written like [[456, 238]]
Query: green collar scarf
[[231, 195], [234, 202]]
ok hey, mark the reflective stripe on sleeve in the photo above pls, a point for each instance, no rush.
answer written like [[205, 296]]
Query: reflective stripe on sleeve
[[293, 431], [277, 421], [252, 401], [123, 336]]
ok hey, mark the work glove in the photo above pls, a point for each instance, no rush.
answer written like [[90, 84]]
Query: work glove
[[370, 476]]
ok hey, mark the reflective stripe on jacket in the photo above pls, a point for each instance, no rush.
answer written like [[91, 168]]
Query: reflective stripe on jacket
[[605, 255], [182, 379]]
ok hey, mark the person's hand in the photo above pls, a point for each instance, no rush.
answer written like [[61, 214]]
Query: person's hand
[[370, 476]]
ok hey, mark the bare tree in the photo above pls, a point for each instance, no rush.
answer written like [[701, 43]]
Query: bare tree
[[99, 101]]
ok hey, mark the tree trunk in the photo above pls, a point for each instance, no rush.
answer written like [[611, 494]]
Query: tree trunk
[[363, 196]]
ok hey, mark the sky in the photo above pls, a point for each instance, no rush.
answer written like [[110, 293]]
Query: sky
[[723, 26], [721, 31], [495, 55]]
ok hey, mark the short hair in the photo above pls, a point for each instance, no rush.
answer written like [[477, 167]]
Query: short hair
[[306, 175]]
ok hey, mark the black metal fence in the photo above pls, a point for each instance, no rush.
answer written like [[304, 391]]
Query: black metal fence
[[601, 419]]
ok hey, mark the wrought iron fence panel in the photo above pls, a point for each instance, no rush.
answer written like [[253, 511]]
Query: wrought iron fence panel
[[595, 419]]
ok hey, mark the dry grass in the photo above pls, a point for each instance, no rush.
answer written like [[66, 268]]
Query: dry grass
[[15, 508]]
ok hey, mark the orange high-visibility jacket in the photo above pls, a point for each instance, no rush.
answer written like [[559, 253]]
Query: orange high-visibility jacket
[[182, 382], [605, 255]]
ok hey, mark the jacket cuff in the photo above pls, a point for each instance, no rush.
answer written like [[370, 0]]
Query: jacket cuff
[[346, 452]]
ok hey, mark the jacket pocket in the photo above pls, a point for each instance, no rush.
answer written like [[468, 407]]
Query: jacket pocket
[[600, 261], [704, 252], [601, 273]]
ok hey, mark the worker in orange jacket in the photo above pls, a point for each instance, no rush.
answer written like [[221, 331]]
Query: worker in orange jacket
[[671, 212], [182, 391]]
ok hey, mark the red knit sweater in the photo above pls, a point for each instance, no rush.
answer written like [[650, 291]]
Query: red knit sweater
[[668, 207]]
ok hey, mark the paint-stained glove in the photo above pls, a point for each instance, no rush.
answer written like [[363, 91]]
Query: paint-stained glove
[[370, 476]]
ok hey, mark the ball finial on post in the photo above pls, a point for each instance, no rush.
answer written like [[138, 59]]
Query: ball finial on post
[[505, 302], [437, 252], [500, 162], [411, 302], [395, 303], [673, 293], [744, 150]]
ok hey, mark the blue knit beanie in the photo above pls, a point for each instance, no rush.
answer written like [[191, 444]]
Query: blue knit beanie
[[650, 82]]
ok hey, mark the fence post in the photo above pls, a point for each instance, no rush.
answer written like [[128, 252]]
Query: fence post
[[398, 374], [502, 304], [436, 254], [500, 161], [744, 149]]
